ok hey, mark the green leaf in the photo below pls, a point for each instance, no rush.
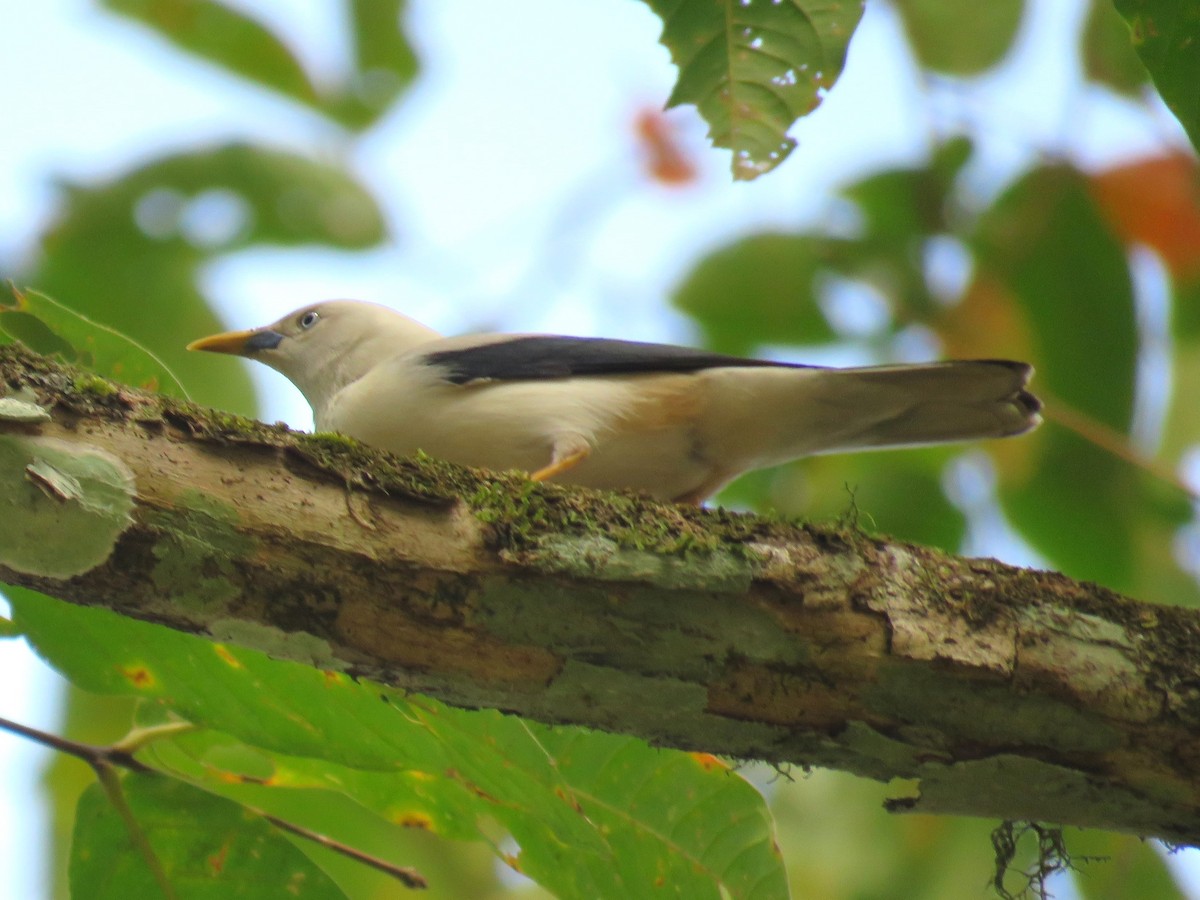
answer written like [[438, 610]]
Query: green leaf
[[595, 815], [398, 817], [208, 847], [902, 209], [1048, 245], [754, 68], [898, 493], [1108, 53], [757, 291], [79, 340], [1166, 34], [907, 204], [960, 38], [221, 35], [1122, 866], [384, 65]]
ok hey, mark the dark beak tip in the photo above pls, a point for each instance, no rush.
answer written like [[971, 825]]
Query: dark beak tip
[[263, 340]]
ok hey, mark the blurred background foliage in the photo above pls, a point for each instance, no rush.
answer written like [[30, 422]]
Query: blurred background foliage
[[1089, 269]]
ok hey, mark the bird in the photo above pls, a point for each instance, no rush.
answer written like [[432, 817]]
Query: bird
[[673, 422]]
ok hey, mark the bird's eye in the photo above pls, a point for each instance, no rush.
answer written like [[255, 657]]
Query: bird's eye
[[309, 319]]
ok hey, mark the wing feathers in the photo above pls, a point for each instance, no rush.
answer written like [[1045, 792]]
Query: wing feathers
[[534, 357]]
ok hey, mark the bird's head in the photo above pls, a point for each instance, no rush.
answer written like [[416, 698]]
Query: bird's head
[[323, 347]]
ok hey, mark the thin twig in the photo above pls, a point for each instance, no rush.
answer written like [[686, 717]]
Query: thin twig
[[1110, 439], [409, 877], [106, 760], [91, 754], [107, 774]]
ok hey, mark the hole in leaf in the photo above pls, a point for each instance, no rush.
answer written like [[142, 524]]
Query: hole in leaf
[[157, 213], [215, 218]]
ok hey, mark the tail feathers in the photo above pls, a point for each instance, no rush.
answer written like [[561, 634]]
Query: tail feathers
[[896, 406], [764, 416]]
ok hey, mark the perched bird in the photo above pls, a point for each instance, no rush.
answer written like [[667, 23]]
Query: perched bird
[[675, 422]]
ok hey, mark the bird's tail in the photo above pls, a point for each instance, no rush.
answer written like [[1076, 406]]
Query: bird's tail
[[836, 410]]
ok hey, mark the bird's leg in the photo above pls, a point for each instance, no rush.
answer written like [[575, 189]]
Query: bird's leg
[[567, 455], [697, 495]]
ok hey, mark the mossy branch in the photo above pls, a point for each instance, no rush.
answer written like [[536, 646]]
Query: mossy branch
[[1003, 692]]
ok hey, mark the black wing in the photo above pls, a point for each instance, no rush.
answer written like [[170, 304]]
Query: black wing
[[549, 356]]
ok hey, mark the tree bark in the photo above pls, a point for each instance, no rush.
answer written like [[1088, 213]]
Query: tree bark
[[1001, 691]]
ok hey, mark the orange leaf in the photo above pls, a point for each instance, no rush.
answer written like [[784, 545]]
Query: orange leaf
[[1156, 201], [666, 161]]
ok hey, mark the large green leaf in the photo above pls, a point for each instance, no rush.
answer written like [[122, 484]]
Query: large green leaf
[[129, 252], [382, 66], [1048, 245], [897, 493], [1166, 34], [384, 63], [753, 69], [757, 291], [908, 204], [595, 815], [902, 209], [1119, 867], [224, 36], [395, 818], [206, 846], [51, 328], [761, 289], [960, 38]]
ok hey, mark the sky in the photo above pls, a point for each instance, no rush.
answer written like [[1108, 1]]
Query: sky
[[514, 147]]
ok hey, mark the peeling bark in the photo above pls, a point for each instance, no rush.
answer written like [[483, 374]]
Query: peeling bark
[[1003, 692]]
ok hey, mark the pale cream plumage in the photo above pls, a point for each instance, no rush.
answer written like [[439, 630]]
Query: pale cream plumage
[[673, 422]]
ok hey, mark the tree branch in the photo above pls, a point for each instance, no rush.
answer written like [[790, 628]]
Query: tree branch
[[1005, 692]]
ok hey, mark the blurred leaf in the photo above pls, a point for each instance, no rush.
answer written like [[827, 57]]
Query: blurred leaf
[[1181, 431], [1166, 551], [222, 35], [906, 203], [757, 291], [1166, 34], [593, 814], [384, 64], [1185, 310], [960, 38], [1156, 201], [1123, 866], [902, 209], [8, 628], [130, 252], [1044, 241], [753, 69], [1161, 513], [89, 344], [1108, 53], [897, 493], [988, 321], [208, 847]]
